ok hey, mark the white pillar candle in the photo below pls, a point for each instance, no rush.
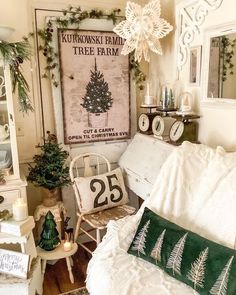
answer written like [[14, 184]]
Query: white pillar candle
[[148, 100], [19, 208], [148, 90], [67, 246]]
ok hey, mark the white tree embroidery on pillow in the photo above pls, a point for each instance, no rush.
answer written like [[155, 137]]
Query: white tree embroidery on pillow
[[220, 286], [175, 259], [139, 242], [156, 251], [197, 272]]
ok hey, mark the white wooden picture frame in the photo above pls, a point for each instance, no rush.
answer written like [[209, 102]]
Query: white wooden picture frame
[[195, 65]]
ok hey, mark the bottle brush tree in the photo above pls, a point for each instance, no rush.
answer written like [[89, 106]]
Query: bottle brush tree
[[49, 170]]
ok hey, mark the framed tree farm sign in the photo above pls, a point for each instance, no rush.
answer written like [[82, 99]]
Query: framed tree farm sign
[[95, 86]]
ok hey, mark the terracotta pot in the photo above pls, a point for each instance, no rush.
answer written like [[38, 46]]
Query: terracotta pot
[[50, 197], [97, 120]]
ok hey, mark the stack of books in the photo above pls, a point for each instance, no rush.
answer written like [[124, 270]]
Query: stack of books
[[17, 228]]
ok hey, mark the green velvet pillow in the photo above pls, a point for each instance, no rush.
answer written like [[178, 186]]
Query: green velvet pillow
[[204, 265]]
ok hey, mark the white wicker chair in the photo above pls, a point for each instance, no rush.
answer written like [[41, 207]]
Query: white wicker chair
[[86, 165]]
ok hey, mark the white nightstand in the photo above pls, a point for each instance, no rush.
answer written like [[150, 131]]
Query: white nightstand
[[56, 254]]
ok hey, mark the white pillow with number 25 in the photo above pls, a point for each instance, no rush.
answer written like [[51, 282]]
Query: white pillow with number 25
[[102, 191]]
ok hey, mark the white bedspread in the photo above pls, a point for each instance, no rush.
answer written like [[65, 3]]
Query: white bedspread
[[112, 271], [192, 183]]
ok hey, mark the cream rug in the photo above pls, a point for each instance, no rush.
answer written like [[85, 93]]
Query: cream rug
[[80, 291]]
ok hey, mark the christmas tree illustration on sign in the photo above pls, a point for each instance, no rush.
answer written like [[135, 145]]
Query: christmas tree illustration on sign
[[98, 99]]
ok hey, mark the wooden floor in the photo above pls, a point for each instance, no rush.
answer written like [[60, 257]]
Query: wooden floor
[[56, 279]]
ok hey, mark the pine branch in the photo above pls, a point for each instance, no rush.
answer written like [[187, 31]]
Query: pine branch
[[15, 54]]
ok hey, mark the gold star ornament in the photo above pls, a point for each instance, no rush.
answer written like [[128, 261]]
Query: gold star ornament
[[142, 29]]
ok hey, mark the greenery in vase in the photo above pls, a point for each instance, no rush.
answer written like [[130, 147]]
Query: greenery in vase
[[49, 170], [49, 236]]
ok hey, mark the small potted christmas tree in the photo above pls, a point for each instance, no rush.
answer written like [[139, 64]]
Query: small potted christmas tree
[[49, 171], [98, 99]]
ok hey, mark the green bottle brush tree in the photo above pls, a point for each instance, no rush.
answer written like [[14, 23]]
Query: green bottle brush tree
[[49, 236]]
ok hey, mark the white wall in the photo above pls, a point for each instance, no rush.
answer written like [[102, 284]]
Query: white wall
[[217, 124]]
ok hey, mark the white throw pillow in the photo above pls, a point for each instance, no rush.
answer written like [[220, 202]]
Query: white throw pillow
[[102, 191]]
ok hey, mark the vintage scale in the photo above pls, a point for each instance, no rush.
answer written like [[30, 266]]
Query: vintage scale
[[184, 128], [145, 119], [167, 123], [156, 122]]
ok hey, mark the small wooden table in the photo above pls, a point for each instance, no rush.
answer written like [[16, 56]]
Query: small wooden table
[[56, 254]]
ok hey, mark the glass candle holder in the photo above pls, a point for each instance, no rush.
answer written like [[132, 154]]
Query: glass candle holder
[[167, 97], [186, 103]]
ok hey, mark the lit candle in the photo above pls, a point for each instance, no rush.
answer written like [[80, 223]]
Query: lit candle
[[19, 208], [67, 246]]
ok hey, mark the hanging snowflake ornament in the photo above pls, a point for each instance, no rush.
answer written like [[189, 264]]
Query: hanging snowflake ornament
[[142, 29]]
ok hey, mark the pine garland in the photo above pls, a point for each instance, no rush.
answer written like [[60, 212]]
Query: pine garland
[[15, 54], [73, 16]]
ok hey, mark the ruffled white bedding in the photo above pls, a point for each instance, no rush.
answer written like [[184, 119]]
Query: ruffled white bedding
[[189, 191], [114, 272]]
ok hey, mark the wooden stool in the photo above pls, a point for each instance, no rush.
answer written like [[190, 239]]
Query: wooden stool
[[56, 254]]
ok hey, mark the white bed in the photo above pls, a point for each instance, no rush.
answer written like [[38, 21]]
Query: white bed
[[189, 191]]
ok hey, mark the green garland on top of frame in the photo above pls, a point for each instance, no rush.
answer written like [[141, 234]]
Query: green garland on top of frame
[[15, 54], [73, 16]]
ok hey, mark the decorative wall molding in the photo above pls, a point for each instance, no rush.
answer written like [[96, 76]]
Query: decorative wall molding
[[191, 15]]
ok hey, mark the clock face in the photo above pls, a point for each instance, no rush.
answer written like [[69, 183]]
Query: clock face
[[176, 130], [143, 122], [158, 126]]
